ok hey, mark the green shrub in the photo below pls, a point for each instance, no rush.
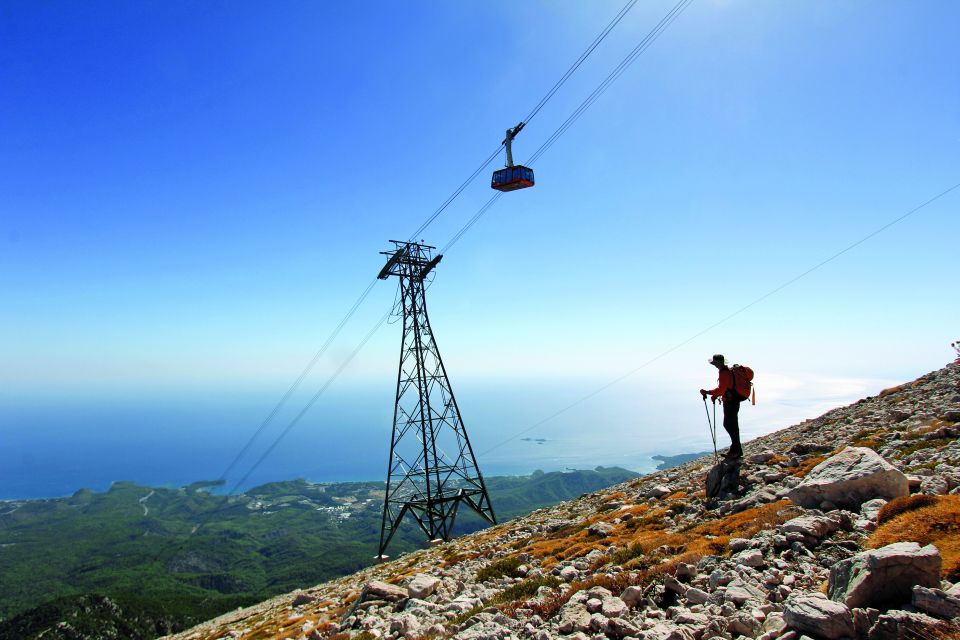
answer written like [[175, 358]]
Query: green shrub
[[525, 589], [500, 568]]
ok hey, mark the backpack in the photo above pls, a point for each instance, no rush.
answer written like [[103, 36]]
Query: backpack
[[743, 382]]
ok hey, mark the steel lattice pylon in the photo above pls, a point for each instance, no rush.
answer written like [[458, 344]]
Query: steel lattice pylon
[[432, 469]]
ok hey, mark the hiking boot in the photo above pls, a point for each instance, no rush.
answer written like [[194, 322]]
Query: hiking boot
[[734, 454]]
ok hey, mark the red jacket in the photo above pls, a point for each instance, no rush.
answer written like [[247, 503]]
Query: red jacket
[[724, 382]]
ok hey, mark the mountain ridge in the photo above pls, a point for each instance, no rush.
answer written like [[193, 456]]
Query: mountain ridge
[[654, 558]]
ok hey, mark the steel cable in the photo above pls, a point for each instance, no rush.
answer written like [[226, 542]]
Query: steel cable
[[612, 77], [722, 320]]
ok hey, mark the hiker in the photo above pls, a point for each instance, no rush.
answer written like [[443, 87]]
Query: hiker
[[731, 404]]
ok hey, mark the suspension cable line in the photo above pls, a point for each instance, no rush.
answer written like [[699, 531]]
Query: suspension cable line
[[612, 77], [316, 396], [453, 196], [533, 112], [299, 380], [290, 425], [579, 61], [430, 219], [722, 320], [366, 292]]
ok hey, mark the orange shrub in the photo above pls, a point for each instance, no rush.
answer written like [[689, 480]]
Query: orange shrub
[[807, 465], [937, 524], [904, 504]]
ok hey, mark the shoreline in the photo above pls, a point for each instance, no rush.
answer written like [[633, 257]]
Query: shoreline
[[213, 484]]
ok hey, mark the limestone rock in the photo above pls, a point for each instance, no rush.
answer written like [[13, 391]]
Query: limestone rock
[[749, 558], [692, 619], [696, 596], [850, 478], [744, 624], [863, 620], [632, 595], [422, 586], [936, 602], [871, 508], [569, 574], [935, 486], [404, 624], [377, 590], [899, 625], [774, 624], [574, 617], [812, 526], [620, 628], [737, 593], [602, 529], [884, 576], [598, 622], [739, 544], [301, 598], [762, 457], [485, 631], [667, 631], [613, 607], [819, 616], [658, 491]]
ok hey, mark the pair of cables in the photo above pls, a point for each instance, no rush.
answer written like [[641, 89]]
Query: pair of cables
[[312, 363]]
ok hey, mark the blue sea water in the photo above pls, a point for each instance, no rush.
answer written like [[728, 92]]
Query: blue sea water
[[55, 446]]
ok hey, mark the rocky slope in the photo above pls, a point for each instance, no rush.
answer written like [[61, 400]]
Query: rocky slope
[[845, 526]]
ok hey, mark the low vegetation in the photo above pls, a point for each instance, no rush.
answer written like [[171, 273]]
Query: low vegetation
[[500, 568], [918, 519], [904, 504], [525, 589]]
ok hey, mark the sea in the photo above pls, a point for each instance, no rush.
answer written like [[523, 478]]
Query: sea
[[52, 445]]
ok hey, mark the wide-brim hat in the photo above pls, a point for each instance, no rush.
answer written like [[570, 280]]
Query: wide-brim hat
[[718, 359]]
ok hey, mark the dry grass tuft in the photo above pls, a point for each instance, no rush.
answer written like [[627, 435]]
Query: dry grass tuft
[[952, 634], [937, 524], [549, 607], [805, 466], [904, 504], [892, 390]]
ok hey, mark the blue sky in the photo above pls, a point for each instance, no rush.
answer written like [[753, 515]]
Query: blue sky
[[194, 194]]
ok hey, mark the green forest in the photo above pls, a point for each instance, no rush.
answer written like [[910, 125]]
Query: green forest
[[168, 558]]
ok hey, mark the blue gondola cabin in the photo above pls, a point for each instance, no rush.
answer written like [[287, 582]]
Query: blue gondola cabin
[[512, 178]]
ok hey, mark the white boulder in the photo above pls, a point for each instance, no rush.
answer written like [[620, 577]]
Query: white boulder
[[422, 586], [849, 479], [884, 576], [819, 616]]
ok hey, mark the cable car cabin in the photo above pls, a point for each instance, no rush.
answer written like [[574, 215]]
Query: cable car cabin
[[512, 178]]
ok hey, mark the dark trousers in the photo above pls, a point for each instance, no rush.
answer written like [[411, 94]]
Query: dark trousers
[[731, 420]]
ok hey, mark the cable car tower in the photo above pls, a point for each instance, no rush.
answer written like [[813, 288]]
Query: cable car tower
[[432, 468]]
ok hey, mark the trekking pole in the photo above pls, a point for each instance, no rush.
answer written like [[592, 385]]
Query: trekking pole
[[712, 423]]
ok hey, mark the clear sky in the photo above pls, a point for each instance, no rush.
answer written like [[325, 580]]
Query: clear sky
[[193, 194]]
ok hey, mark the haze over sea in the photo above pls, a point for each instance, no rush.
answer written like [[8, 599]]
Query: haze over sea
[[53, 448]]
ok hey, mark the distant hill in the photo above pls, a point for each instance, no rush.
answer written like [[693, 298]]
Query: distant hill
[[668, 462], [276, 537]]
